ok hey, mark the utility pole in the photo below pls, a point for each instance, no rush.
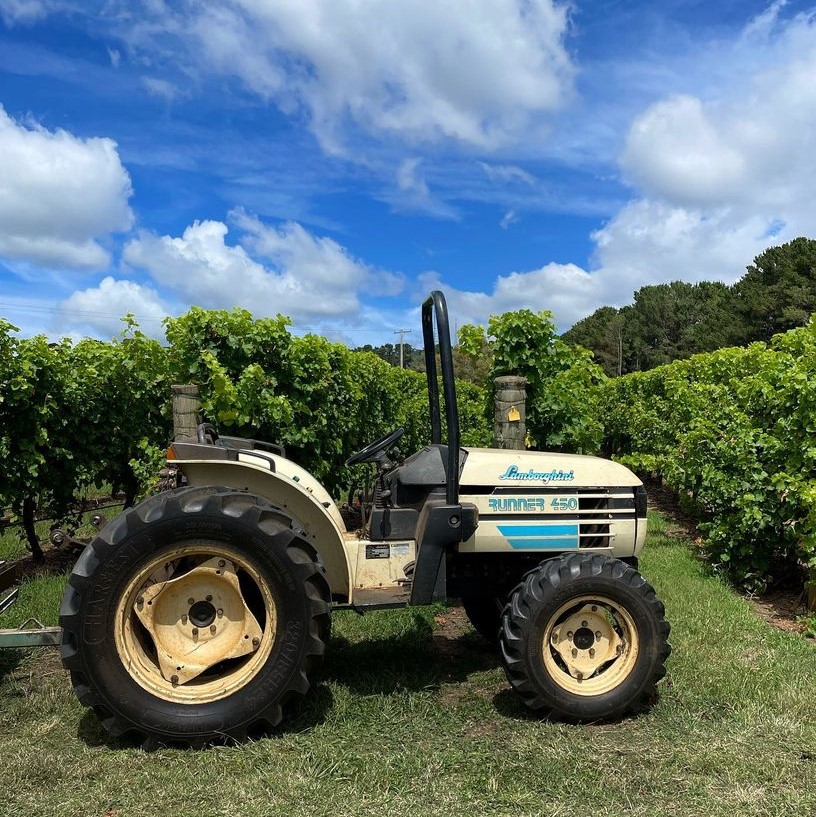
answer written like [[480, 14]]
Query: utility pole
[[402, 333]]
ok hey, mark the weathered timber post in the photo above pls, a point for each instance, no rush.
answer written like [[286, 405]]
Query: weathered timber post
[[186, 408], [510, 417]]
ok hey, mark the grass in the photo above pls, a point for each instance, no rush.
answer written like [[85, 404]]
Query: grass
[[413, 716]]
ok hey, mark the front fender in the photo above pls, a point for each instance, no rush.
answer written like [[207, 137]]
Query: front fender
[[293, 490]]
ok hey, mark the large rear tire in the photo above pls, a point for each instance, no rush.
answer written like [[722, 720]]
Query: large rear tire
[[195, 616], [584, 638]]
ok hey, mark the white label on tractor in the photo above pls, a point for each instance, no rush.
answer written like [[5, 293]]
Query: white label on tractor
[[532, 504]]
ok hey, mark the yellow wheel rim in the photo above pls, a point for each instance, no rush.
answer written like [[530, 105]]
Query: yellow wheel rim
[[590, 645], [195, 624]]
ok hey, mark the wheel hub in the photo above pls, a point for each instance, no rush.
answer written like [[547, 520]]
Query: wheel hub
[[586, 641], [202, 614], [198, 620]]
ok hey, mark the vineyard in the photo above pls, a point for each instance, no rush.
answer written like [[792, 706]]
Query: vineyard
[[732, 431], [76, 416]]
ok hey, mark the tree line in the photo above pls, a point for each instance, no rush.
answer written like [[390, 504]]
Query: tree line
[[668, 322]]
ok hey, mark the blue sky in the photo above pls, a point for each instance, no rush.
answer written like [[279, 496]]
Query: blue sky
[[334, 160]]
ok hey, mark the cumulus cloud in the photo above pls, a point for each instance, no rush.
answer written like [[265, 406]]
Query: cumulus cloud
[[749, 147], [717, 179], [273, 269], [59, 196], [416, 69], [565, 289], [99, 309]]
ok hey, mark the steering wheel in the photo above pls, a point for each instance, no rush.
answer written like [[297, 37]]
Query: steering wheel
[[370, 452]]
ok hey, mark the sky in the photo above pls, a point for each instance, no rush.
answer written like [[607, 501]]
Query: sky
[[336, 160]]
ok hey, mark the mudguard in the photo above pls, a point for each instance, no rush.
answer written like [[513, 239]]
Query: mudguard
[[284, 484]]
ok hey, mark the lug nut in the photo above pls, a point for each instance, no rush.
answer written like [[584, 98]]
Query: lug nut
[[209, 598], [184, 619], [583, 624], [579, 676], [256, 641], [574, 653], [569, 635], [140, 601], [195, 631], [219, 613], [594, 608], [212, 628], [221, 563], [597, 634], [174, 679], [591, 652], [191, 601]]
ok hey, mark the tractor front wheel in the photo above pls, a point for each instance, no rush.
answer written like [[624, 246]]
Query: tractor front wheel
[[194, 616], [584, 638]]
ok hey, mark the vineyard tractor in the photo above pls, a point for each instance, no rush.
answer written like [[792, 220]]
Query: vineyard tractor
[[201, 613]]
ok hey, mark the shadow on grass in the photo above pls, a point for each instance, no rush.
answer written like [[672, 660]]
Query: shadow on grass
[[417, 659], [9, 661], [414, 660]]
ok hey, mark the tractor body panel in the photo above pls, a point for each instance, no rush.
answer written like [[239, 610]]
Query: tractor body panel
[[535, 502]]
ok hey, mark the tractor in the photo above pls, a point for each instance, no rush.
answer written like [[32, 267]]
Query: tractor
[[201, 613]]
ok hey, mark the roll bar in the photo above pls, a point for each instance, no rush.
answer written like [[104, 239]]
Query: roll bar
[[435, 304]]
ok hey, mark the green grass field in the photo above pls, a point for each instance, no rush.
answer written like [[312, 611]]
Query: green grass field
[[411, 715]]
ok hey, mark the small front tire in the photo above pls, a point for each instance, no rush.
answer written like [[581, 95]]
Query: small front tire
[[584, 638]]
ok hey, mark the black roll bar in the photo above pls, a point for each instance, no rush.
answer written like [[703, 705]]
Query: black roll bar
[[435, 304]]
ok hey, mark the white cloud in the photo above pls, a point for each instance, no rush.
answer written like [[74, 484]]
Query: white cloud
[[420, 70], [749, 147], [24, 11], [568, 291], [272, 270], [507, 173], [99, 310], [161, 88], [510, 217], [410, 180], [59, 195], [718, 179]]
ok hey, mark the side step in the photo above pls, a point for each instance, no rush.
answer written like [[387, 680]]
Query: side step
[[380, 598]]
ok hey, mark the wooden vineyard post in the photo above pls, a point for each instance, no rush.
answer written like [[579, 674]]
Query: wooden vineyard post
[[510, 415], [186, 408]]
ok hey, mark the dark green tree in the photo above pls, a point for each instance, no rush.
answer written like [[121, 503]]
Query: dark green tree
[[778, 292]]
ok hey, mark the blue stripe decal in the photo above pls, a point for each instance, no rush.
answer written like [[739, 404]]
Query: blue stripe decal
[[545, 544], [538, 530]]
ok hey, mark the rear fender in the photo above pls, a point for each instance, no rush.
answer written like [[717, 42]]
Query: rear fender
[[293, 490]]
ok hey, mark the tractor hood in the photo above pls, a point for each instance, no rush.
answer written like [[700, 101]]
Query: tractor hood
[[529, 469]]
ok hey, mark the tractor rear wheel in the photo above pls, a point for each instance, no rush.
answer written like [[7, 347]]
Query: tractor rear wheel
[[584, 638], [194, 616]]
